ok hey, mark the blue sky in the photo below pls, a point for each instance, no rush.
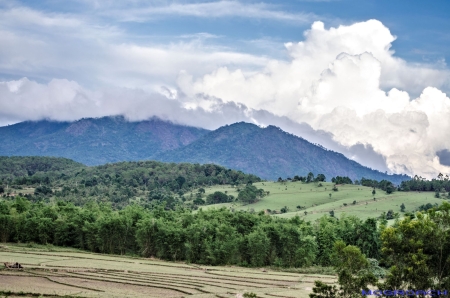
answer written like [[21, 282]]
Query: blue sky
[[366, 78], [422, 28]]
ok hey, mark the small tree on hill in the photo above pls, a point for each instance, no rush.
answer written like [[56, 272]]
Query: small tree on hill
[[390, 214], [310, 177]]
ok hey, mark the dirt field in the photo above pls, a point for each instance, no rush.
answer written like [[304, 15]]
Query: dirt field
[[80, 274]]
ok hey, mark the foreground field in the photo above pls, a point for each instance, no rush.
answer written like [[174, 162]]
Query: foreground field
[[316, 200], [71, 273]]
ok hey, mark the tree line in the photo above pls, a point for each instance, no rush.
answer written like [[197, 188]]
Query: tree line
[[213, 237]]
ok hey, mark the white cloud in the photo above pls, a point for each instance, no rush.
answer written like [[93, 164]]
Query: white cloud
[[336, 82], [42, 45], [142, 11]]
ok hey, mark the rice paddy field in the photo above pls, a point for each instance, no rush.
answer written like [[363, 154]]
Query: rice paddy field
[[59, 272], [320, 200]]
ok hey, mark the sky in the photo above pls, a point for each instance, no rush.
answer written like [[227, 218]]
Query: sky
[[368, 78]]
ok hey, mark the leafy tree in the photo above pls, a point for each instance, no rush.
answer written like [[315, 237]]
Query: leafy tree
[[250, 194], [323, 290], [415, 261], [44, 190], [320, 178], [402, 207], [217, 198], [198, 201], [310, 177], [258, 247], [353, 270], [390, 215], [341, 180]]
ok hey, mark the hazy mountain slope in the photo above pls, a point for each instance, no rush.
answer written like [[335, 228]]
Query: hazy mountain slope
[[269, 153], [96, 141]]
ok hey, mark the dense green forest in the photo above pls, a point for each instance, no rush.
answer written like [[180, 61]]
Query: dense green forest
[[150, 182], [206, 237]]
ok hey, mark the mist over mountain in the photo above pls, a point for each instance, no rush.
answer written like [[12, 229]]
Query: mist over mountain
[[267, 152]]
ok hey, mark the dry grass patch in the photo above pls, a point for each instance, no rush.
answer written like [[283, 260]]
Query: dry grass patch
[[36, 285]]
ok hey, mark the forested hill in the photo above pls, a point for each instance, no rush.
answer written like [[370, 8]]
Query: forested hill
[[19, 166], [95, 141], [150, 182], [270, 153]]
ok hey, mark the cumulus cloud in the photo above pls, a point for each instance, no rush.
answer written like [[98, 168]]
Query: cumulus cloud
[[348, 82]]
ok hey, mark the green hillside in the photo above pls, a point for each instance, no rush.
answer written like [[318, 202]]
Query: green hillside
[[316, 201]]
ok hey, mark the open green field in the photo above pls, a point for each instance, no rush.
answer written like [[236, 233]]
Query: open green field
[[316, 199], [59, 272]]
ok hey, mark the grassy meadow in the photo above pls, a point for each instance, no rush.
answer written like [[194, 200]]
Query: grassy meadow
[[316, 200], [58, 272]]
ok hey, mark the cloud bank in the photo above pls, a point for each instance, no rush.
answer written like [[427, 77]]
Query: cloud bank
[[341, 87], [348, 82]]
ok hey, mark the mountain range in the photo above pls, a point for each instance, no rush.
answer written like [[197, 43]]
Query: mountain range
[[267, 152]]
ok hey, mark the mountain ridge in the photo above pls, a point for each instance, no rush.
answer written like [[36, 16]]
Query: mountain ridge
[[268, 152], [278, 154], [95, 141]]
